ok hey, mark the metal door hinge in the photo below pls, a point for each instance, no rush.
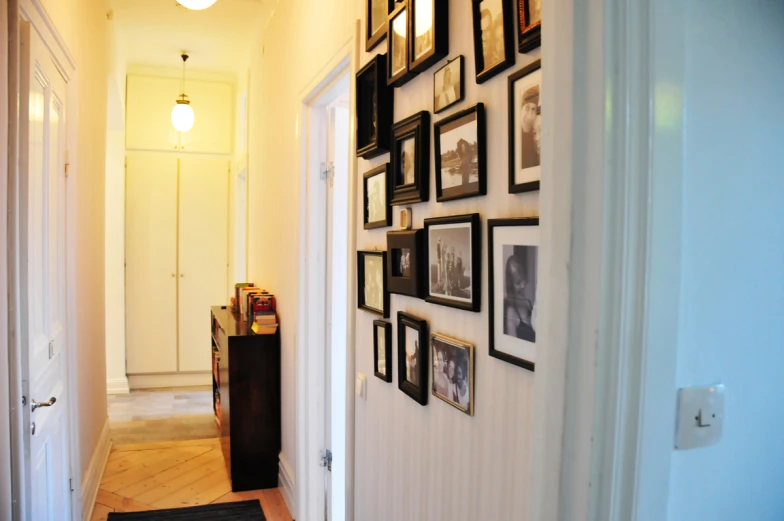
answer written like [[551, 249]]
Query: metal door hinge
[[325, 459], [328, 171], [70, 484], [66, 169]]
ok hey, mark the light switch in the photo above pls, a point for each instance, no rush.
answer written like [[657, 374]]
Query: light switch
[[700, 416], [360, 387]]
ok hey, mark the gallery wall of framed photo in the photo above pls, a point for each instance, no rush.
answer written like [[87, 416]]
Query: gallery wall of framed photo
[[459, 431]]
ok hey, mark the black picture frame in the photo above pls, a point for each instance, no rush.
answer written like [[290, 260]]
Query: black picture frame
[[382, 170], [416, 128], [492, 225], [386, 373], [459, 352], [375, 102], [398, 78], [485, 71], [412, 284], [440, 32], [514, 186], [361, 304], [474, 113], [529, 35], [417, 392], [372, 39], [460, 95], [438, 269]]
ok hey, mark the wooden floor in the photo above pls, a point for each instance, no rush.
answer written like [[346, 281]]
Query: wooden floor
[[171, 475]]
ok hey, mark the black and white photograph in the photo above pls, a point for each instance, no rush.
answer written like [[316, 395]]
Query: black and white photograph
[[460, 155], [377, 12], [493, 38], [453, 372], [407, 161], [378, 212], [405, 262], [448, 84], [401, 262], [412, 338], [410, 145], [373, 295], [453, 260], [513, 253], [529, 35], [374, 107], [525, 129], [382, 350]]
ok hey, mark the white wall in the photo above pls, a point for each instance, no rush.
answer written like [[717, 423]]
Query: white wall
[[732, 289]]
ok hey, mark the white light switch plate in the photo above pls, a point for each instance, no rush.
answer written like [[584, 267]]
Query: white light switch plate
[[700, 416], [360, 386]]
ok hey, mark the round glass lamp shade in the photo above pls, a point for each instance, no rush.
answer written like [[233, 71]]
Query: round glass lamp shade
[[196, 5], [182, 117]]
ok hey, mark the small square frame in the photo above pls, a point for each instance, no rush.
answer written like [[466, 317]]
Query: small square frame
[[460, 98], [412, 240]]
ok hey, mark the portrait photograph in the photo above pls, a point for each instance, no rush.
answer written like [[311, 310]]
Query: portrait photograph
[[374, 106], [377, 13], [453, 260], [406, 160], [410, 145], [378, 212], [453, 372], [401, 262], [525, 129], [529, 35], [461, 169], [448, 85], [493, 38], [373, 295], [382, 350], [412, 338], [513, 254], [398, 66], [405, 262]]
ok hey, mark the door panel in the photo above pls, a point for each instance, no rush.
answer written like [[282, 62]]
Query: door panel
[[148, 113], [151, 263], [203, 254]]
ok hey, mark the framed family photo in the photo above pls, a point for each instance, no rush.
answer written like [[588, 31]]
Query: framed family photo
[[453, 372], [399, 67], [448, 84], [454, 261], [376, 14], [529, 25], [375, 190], [374, 108], [382, 350], [412, 337], [372, 293], [461, 156], [525, 128], [493, 39], [411, 159], [405, 267], [429, 31], [513, 255]]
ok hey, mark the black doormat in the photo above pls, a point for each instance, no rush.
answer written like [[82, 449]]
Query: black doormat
[[241, 511]]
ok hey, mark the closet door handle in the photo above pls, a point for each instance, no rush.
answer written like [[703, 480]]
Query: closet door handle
[[182, 275], [173, 275]]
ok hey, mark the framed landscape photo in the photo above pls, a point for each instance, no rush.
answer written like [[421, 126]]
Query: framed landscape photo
[[374, 108], [454, 261], [448, 84], [493, 39], [398, 67], [405, 269], [376, 15], [382, 350], [375, 196], [461, 155], [372, 293], [453, 372], [529, 25], [411, 159], [525, 128], [412, 350], [513, 256], [429, 30]]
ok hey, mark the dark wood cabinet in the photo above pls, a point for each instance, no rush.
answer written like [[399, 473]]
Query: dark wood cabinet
[[246, 400]]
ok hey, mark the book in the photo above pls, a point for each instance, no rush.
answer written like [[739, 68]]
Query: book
[[237, 288]]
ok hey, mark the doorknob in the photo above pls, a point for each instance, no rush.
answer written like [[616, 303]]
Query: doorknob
[[51, 402]]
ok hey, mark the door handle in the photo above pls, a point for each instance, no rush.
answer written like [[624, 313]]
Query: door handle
[[51, 402]]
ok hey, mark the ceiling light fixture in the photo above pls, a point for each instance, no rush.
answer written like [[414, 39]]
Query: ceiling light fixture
[[196, 5], [182, 114]]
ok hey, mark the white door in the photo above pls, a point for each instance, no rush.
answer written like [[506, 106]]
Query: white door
[[329, 310], [43, 283]]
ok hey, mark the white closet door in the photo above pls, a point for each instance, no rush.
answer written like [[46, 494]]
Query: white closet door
[[204, 212], [151, 263]]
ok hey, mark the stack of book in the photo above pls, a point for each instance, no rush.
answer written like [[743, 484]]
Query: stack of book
[[257, 307]]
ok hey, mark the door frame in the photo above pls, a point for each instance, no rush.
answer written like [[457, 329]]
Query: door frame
[[33, 12], [309, 503]]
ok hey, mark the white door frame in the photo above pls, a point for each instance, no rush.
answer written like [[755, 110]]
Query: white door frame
[[33, 12], [309, 503]]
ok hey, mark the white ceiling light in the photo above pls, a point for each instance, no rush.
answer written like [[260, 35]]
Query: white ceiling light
[[196, 5], [182, 114]]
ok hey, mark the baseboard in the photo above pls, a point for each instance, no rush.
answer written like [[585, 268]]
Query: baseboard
[[286, 484], [117, 386], [92, 477], [156, 381]]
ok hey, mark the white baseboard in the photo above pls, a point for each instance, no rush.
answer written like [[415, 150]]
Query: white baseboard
[[154, 381], [92, 477], [117, 386], [286, 484]]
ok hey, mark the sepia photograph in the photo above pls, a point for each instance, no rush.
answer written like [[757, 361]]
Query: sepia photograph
[[377, 12], [493, 23], [412, 356], [423, 27], [453, 372], [520, 291], [460, 155], [412, 352], [525, 129], [378, 212], [372, 295], [398, 41], [407, 156], [382, 350], [405, 262], [401, 262], [448, 85]]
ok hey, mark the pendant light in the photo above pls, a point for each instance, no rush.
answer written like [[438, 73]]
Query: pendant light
[[182, 114], [196, 5]]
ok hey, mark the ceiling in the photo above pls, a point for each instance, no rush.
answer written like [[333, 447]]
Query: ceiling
[[153, 32]]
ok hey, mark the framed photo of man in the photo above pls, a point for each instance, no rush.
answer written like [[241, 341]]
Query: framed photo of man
[[376, 195], [411, 159], [429, 30], [513, 256], [461, 156], [529, 25], [412, 356], [405, 269], [525, 128], [493, 38], [453, 372], [376, 15], [372, 292], [454, 261], [448, 84], [382, 350]]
